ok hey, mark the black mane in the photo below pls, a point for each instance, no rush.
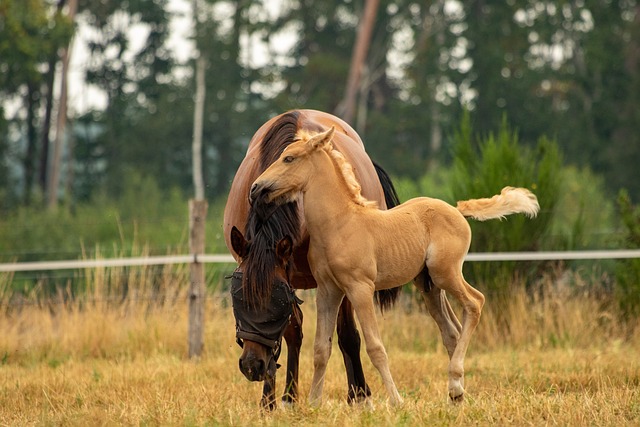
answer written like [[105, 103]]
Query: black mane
[[268, 223]]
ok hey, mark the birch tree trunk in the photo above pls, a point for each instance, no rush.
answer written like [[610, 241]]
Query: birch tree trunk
[[197, 212], [56, 162]]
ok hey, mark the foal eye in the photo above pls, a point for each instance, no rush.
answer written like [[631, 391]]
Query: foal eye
[[288, 159]]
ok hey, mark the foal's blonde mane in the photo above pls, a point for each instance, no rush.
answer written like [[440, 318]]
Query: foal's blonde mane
[[346, 169]]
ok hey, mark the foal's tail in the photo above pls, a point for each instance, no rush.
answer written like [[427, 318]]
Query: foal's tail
[[510, 200]]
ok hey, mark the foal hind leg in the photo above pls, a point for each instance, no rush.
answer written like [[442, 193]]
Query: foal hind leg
[[349, 343], [293, 338], [472, 301], [441, 311]]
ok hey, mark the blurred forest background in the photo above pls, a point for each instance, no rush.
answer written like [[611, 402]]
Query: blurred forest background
[[455, 100]]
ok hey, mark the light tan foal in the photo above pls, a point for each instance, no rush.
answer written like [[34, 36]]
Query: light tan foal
[[355, 249]]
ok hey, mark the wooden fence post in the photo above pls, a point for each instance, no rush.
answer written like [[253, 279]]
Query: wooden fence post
[[197, 290]]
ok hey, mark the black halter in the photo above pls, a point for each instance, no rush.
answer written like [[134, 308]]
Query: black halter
[[263, 325]]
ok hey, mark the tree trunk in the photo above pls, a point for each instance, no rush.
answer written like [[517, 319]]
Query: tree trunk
[[347, 107], [46, 125], [29, 160], [198, 212], [198, 182], [54, 179]]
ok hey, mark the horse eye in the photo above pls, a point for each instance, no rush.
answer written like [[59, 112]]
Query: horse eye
[[288, 159]]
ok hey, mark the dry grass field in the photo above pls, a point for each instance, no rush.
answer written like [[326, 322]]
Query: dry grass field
[[561, 359]]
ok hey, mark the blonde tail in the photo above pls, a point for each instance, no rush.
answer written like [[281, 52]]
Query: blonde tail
[[510, 200]]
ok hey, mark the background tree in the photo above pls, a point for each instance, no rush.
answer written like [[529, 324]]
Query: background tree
[[30, 35], [568, 70]]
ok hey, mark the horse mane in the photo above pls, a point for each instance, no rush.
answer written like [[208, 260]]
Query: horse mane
[[348, 174], [278, 137], [268, 223]]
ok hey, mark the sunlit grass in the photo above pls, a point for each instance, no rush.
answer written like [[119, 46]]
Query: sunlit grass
[[554, 358]]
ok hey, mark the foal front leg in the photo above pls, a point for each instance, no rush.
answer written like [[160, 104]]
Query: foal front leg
[[361, 297], [328, 301]]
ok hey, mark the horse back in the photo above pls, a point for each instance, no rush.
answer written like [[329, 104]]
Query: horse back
[[266, 145]]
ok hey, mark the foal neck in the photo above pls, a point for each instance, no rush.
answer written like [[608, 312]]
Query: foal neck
[[328, 197]]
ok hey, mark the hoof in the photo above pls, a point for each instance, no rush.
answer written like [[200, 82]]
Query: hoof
[[269, 407], [456, 399], [456, 392], [358, 396], [288, 401]]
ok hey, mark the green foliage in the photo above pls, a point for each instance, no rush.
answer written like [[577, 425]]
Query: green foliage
[[628, 271], [481, 168], [584, 215], [435, 183], [29, 35], [144, 221], [576, 210]]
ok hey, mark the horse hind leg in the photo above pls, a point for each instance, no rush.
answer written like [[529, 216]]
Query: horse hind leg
[[349, 343], [472, 301], [293, 338], [440, 310]]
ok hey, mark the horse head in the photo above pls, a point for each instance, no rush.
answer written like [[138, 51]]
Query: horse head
[[261, 320]]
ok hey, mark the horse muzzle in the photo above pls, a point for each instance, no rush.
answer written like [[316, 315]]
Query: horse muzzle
[[259, 330], [252, 363]]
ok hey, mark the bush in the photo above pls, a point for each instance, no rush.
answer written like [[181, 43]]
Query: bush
[[481, 168], [144, 220], [628, 271]]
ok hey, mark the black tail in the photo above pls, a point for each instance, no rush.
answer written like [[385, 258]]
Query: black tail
[[390, 195], [387, 297]]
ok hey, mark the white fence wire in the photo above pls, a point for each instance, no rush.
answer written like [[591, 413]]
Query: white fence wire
[[228, 259]]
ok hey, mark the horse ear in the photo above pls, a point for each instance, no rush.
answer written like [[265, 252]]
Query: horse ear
[[284, 248], [238, 242], [322, 139]]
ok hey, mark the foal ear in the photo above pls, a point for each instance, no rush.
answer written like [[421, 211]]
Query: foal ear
[[321, 140], [239, 243], [284, 248]]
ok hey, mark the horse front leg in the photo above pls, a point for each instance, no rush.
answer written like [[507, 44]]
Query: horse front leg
[[349, 343], [293, 338], [268, 400]]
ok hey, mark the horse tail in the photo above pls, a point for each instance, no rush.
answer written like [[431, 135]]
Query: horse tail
[[390, 195], [386, 298], [510, 200]]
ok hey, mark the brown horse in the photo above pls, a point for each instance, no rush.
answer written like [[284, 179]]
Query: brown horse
[[263, 267], [368, 249]]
